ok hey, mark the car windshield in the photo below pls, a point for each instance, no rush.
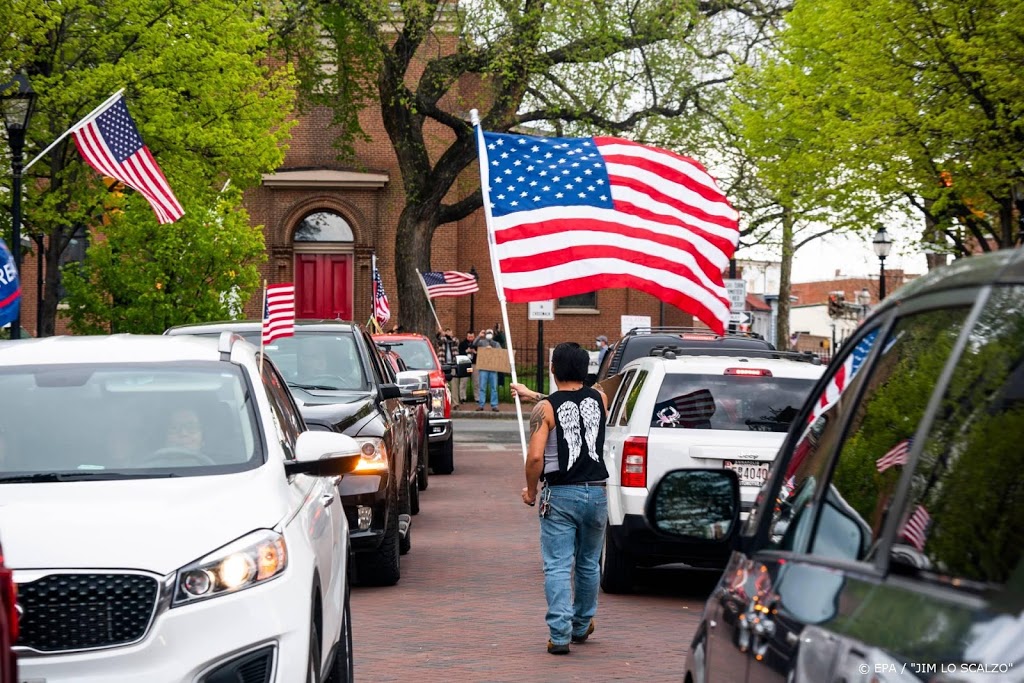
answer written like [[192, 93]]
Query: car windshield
[[324, 361], [737, 402], [70, 422], [417, 354]]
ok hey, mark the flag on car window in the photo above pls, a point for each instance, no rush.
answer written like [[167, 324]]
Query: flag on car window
[[686, 410], [915, 530], [449, 283], [897, 455], [843, 375], [278, 312], [574, 215], [109, 142], [381, 308]]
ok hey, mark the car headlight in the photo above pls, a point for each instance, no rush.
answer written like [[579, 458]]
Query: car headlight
[[251, 560], [437, 402], [374, 454]]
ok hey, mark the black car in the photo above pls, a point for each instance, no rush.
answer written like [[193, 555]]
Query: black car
[[646, 341], [888, 542], [342, 384]]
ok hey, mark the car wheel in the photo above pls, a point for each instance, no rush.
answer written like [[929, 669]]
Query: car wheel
[[445, 461], [313, 668], [405, 542], [414, 497], [617, 568], [383, 566], [343, 667]]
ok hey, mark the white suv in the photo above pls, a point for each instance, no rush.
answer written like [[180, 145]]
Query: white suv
[[166, 515], [691, 411]]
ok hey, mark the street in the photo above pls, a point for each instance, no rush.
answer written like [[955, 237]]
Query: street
[[470, 605]]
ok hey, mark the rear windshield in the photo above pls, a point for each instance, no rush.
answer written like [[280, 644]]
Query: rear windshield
[[322, 360], [756, 404], [417, 354]]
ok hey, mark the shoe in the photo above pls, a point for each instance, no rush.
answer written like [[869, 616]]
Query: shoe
[[583, 638], [479, 409], [557, 649], [495, 410]]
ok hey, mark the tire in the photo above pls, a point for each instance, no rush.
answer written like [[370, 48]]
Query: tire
[[383, 566], [313, 665], [405, 507], [445, 461], [343, 667], [423, 474], [414, 497], [617, 568]]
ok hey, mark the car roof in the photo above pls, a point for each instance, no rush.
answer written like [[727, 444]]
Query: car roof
[[1000, 267], [117, 348], [779, 367], [311, 325]]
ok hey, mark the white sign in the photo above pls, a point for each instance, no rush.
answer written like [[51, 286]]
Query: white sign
[[736, 290], [741, 318], [631, 321], [541, 310]]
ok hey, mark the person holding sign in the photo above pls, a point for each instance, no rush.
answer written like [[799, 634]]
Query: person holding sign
[[488, 379]]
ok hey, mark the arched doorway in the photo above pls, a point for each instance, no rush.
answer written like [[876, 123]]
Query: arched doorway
[[323, 266]]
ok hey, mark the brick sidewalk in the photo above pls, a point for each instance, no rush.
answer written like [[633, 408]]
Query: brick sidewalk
[[470, 605]]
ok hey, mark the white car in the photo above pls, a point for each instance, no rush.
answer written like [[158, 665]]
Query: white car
[[692, 411], [167, 517]]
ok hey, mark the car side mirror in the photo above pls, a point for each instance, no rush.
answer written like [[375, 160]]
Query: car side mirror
[[415, 386], [324, 454], [463, 366], [388, 391], [696, 505]]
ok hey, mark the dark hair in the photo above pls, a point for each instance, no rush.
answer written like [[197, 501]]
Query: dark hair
[[570, 362]]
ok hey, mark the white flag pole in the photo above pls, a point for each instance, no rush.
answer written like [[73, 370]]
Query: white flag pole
[[423, 284], [496, 269], [263, 325], [72, 129], [373, 288]]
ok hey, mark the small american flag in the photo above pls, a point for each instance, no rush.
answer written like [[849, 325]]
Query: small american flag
[[687, 409], [381, 308], [110, 143], [843, 376], [278, 312], [897, 455], [449, 283], [916, 528]]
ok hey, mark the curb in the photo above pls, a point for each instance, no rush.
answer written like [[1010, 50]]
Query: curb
[[487, 414]]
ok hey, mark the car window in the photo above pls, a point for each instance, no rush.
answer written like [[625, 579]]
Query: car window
[[285, 414], [620, 396], [417, 354], [743, 402], [321, 359], [964, 517], [144, 419], [632, 396]]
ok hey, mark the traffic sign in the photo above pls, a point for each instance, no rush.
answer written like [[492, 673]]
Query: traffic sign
[[541, 310], [736, 290], [741, 318]]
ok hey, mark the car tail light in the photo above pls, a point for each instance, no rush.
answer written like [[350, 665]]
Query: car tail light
[[634, 462], [749, 372], [8, 595]]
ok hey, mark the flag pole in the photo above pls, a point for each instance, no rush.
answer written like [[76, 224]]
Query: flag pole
[[496, 269], [430, 301], [262, 352], [73, 128], [373, 286]]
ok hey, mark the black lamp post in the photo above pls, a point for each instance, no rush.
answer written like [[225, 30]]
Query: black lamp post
[[472, 303], [18, 100], [882, 245]]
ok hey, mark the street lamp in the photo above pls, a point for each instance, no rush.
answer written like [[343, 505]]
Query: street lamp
[[864, 300], [882, 245], [18, 100]]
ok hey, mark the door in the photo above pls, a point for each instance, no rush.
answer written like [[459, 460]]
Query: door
[[323, 286]]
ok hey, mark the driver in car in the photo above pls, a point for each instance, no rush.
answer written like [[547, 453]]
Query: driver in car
[[184, 431]]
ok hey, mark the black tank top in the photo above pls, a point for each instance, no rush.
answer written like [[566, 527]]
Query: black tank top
[[579, 435]]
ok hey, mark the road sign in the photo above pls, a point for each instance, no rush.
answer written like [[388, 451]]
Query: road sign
[[741, 318], [628, 322], [736, 290], [541, 310]]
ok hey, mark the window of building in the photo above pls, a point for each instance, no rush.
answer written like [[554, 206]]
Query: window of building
[[586, 301], [323, 226]]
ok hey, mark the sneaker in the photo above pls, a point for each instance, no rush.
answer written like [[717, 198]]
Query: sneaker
[[479, 409], [557, 649], [495, 410], [583, 638]]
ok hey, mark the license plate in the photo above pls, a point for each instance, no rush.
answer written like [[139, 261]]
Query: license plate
[[750, 472]]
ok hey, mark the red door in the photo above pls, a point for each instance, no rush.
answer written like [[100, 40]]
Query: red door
[[323, 286]]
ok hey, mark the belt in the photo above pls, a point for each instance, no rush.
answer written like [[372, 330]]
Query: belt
[[583, 483]]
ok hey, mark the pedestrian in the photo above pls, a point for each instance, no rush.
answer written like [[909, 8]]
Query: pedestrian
[[488, 378], [448, 348], [602, 348], [466, 348], [565, 453]]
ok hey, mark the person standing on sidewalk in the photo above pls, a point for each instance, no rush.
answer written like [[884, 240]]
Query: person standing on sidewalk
[[488, 378], [565, 453], [466, 348], [448, 348]]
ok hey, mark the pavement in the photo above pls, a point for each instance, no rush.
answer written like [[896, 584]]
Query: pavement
[[506, 411]]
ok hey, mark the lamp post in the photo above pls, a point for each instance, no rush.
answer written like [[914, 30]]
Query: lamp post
[[18, 100], [864, 301], [882, 245], [472, 303]]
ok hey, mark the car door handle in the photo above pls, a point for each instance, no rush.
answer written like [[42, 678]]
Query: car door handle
[[326, 499]]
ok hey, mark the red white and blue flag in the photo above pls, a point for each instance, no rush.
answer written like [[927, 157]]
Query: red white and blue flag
[[897, 455], [10, 287], [844, 375], [449, 283], [575, 215], [381, 308], [278, 312], [915, 530], [109, 142]]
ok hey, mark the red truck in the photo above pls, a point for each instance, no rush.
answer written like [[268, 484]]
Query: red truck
[[8, 624]]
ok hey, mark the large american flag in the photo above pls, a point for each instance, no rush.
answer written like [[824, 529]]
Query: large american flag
[[686, 410], [449, 283], [574, 215], [897, 455], [843, 376], [381, 308], [915, 530], [110, 143], [278, 312]]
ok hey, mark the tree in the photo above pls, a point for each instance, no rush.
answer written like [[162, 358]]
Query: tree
[[209, 104], [639, 67]]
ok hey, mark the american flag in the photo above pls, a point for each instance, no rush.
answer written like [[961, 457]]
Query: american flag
[[843, 376], [381, 308], [897, 455], [110, 143], [449, 283], [696, 406], [574, 215], [915, 530], [278, 312]]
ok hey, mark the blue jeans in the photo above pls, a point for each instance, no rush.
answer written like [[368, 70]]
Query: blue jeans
[[488, 378], [571, 534]]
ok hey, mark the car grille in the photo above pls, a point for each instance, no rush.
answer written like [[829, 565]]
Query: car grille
[[84, 611]]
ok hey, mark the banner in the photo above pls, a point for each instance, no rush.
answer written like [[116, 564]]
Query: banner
[[10, 287]]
